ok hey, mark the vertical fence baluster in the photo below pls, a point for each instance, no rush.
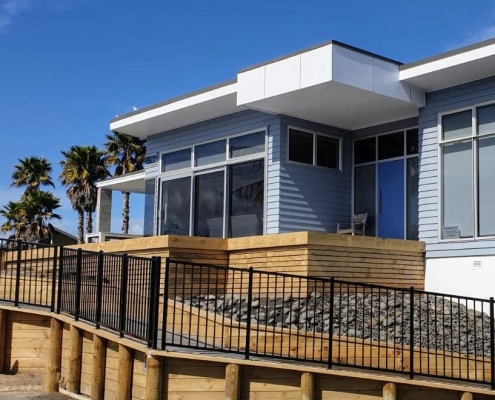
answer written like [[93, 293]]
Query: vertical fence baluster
[[60, 277], [155, 286], [248, 323], [492, 344], [99, 289], [18, 274], [78, 284], [123, 294], [54, 277], [165, 303], [330, 329], [411, 332]]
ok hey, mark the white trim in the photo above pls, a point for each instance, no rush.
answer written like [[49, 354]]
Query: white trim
[[129, 177], [447, 62], [175, 106]]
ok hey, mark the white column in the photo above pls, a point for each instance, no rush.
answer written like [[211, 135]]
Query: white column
[[104, 210]]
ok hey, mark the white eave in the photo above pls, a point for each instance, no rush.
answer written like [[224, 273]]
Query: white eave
[[132, 183], [453, 68], [185, 110]]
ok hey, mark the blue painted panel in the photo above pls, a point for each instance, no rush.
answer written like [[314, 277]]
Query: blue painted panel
[[391, 199]]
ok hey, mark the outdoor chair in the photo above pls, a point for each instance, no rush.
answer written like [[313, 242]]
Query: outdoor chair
[[358, 225]]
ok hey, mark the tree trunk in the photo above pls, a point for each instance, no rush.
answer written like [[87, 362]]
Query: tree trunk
[[80, 226], [125, 212], [89, 222]]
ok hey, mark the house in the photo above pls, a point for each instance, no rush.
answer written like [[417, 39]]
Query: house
[[305, 141]]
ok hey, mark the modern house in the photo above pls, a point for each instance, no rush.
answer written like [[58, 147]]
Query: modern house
[[306, 141]]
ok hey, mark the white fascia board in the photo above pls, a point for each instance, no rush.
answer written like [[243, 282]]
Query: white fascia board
[[121, 179], [447, 62], [175, 106]]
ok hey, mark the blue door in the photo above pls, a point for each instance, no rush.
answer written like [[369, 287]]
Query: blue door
[[391, 199]]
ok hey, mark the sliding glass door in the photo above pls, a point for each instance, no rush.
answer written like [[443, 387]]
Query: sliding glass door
[[175, 207], [209, 204]]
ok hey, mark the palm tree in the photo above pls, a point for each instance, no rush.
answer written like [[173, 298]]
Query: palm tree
[[15, 223], [127, 153], [32, 173], [82, 167]]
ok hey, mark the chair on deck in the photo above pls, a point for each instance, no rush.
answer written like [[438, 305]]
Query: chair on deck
[[358, 225]]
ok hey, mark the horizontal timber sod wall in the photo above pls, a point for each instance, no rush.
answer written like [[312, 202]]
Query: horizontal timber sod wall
[[390, 262], [200, 376]]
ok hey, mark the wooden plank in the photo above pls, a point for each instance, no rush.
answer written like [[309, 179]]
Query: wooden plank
[[54, 356]]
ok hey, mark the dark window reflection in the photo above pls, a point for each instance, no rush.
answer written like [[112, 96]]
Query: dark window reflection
[[412, 198], [327, 152], [300, 146], [391, 145], [149, 208], [412, 141], [176, 202], [365, 151], [246, 199], [364, 193], [209, 203]]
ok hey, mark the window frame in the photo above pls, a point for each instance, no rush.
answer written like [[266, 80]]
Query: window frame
[[315, 134], [193, 171], [474, 139]]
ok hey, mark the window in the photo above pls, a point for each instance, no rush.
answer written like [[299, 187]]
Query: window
[[365, 151], [304, 144], [210, 153], [246, 145], [412, 141], [209, 204], [149, 207], [391, 145], [176, 160], [151, 159], [176, 204], [467, 163]]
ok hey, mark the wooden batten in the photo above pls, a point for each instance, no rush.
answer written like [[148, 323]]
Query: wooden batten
[[307, 386], [3, 323], [232, 382], [124, 381], [467, 396], [54, 356], [153, 377], [75, 359], [98, 371], [389, 392]]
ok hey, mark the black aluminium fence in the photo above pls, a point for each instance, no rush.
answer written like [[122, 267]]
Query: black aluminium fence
[[257, 313]]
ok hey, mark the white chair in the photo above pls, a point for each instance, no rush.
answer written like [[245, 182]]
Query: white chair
[[358, 225]]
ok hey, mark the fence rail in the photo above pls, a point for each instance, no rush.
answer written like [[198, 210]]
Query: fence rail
[[257, 313]]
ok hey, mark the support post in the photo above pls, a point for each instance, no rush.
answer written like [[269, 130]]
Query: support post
[[307, 386], [232, 382], [99, 361], [467, 396], [3, 323], [75, 358], [153, 377], [389, 392], [124, 387], [54, 356]]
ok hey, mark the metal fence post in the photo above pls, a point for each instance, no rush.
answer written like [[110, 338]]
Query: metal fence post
[[60, 278], [99, 289], [249, 311], [78, 283], [411, 332], [492, 344], [18, 274], [330, 333], [154, 302], [123, 293], [54, 277], [165, 303]]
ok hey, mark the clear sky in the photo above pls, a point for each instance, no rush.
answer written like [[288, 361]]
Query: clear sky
[[68, 66]]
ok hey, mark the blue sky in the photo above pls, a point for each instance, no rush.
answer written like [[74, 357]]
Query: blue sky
[[68, 66]]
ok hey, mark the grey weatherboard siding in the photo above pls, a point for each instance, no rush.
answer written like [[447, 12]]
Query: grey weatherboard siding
[[429, 214]]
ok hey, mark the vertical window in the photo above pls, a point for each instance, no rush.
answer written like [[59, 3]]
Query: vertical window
[[301, 146], [209, 204], [412, 141], [149, 207], [175, 207], [365, 195], [486, 187], [246, 202], [412, 176], [327, 152]]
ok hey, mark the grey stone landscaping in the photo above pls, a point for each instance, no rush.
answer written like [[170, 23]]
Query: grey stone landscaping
[[438, 323]]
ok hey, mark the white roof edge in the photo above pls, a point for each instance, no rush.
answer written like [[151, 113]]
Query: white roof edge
[[135, 176], [447, 62], [177, 105]]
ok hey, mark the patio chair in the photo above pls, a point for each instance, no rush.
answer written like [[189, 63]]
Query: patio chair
[[358, 225]]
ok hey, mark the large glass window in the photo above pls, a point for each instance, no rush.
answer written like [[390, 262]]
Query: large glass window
[[247, 190], [149, 208], [177, 160], [246, 145], [209, 204], [210, 153], [176, 206], [467, 181]]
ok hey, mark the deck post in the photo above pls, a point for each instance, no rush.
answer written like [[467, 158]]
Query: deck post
[[307, 386], [54, 356], [389, 392], [467, 396], [75, 359], [124, 388], [153, 377], [3, 324], [99, 361], [232, 382]]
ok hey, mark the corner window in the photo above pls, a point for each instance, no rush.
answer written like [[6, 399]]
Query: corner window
[[467, 149], [312, 148]]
